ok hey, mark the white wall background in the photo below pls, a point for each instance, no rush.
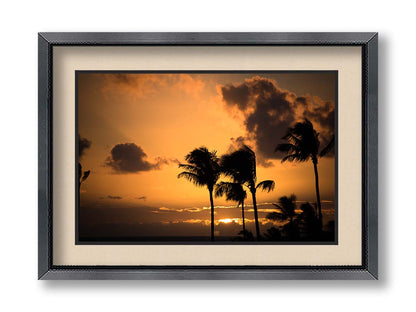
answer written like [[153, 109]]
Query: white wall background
[[20, 22]]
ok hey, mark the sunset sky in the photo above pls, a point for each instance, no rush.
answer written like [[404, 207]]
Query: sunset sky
[[136, 127]]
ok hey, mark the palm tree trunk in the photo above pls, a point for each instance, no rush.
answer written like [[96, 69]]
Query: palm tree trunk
[[318, 197], [256, 216], [244, 223], [212, 215]]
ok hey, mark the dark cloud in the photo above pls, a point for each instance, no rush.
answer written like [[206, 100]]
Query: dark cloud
[[130, 158], [83, 144], [124, 78], [268, 111], [237, 143], [238, 95], [114, 197], [141, 198], [321, 113]]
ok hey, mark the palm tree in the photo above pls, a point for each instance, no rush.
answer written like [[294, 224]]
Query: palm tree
[[202, 169], [286, 211], [309, 222], [240, 166], [328, 147], [273, 234], [303, 145], [234, 192], [82, 176]]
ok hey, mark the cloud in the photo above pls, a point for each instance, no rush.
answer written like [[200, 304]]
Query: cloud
[[267, 111], [193, 209], [139, 85], [141, 198], [83, 144], [197, 221], [236, 95], [208, 208], [165, 209], [130, 158], [114, 197]]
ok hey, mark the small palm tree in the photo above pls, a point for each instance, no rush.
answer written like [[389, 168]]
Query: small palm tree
[[202, 169], [309, 222], [240, 166], [273, 234], [82, 176], [233, 192], [303, 145], [286, 211]]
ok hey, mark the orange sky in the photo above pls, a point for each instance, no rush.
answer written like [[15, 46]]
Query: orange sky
[[165, 116]]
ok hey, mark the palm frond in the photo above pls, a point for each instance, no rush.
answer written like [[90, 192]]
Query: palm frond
[[201, 155], [286, 208], [86, 175], [220, 189], [276, 216], [192, 177], [294, 138], [202, 168], [266, 185], [188, 167], [232, 191], [302, 142], [285, 148], [294, 157], [328, 147], [240, 165]]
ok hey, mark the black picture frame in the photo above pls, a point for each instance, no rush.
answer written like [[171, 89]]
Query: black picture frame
[[369, 268]]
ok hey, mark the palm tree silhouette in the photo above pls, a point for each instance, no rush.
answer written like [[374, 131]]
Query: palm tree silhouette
[[273, 234], [328, 147], [233, 192], [302, 145], [309, 222], [240, 166], [202, 169], [82, 176], [286, 211]]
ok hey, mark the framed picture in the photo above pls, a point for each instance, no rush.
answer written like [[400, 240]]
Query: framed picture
[[208, 156]]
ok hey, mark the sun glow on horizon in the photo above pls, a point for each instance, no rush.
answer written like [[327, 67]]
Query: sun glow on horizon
[[228, 220]]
